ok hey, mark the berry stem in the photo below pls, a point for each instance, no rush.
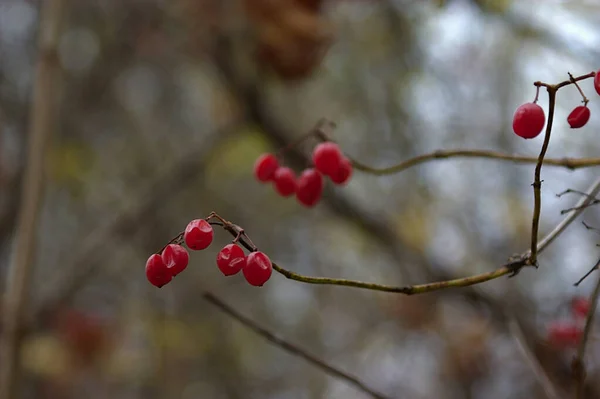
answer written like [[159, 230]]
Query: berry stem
[[537, 94], [511, 268], [537, 182], [566, 82], [178, 239], [585, 100], [320, 131]]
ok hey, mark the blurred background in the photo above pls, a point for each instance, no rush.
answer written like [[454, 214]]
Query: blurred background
[[155, 113]]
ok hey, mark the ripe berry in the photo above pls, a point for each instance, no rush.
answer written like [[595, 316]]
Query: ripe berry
[[580, 307], [564, 335], [258, 269], [529, 120], [176, 258], [579, 117], [310, 187], [327, 158], [231, 259], [157, 272], [344, 172], [198, 234], [597, 82], [265, 167], [285, 181]]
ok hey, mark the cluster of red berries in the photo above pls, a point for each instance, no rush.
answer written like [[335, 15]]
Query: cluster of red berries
[[327, 159], [529, 119], [568, 334], [198, 235]]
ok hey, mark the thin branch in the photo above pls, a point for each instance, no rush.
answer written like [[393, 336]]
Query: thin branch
[[510, 268], [588, 227], [569, 163], [572, 191], [406, 290], [292, 348], [591, 192], [565, 82], [578, 363], [594, 268], [538, 371], [41, 126], [537, 182], [576, 208]]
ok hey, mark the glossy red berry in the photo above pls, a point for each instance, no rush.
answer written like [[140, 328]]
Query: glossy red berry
[[265, 167], [176, 258], [310, 187], [231, 259], [344, 172], [580, 307], [198, 234], [285, 181], [258, 268], [597, 82], [327, 158], [564, 335], [529, 120], [579, 117], [157, 272]]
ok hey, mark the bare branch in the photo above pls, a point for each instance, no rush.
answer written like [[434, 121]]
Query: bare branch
[[293, 349], [569, 163], [591, 192], [538, 371], [41, 126], [595, 267], [511, 268], [578, 363]]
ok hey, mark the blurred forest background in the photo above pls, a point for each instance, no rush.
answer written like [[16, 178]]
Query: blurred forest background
[[158, 110]]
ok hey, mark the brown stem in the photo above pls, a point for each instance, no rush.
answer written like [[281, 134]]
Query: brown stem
[[41, 126], [585, 100], [578, 363], [319, 131], [537, 183], [293, 349], [569, 163]]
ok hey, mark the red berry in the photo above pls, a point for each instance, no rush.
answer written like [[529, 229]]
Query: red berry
[[580, 307], [157, 272], [310, 187], [327, 157], [198, 234], [258, 269], [564, 335], [176, 258], [344, 172], [231, 259], [597, 82], [579, 117], [285, 181], [265, 167], [529, 120]]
